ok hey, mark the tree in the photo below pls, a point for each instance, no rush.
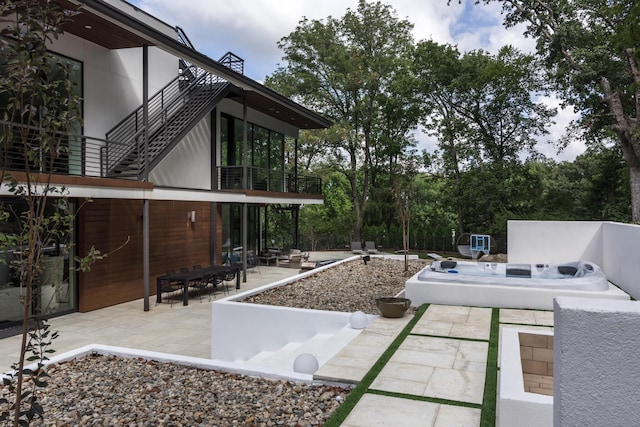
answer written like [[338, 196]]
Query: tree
[[38, 109], [404, 187], [483, 110], [332, 221], [355, 70], [591, 53]]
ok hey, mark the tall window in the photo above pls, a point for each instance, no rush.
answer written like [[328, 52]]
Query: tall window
[[265, 158], [69, 158]]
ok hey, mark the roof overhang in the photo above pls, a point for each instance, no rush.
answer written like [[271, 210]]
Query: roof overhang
[[126, 26]]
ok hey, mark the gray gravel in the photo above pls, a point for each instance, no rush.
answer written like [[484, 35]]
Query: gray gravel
[[347, 287], [111, 391]]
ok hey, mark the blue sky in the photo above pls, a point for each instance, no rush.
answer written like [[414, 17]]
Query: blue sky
[[251, 29]]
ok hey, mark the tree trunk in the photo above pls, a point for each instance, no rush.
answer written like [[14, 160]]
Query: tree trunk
[[627, 129]]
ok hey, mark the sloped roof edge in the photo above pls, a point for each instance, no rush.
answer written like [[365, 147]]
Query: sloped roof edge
[[156, 38]]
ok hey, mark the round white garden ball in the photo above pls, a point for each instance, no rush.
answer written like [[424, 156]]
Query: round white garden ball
[[358, 320], [306, 363]]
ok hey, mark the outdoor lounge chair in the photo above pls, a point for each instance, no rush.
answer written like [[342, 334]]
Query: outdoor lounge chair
[[371, 247], [294, 258], [356, 248]]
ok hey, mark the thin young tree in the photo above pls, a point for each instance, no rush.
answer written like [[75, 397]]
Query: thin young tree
[[38, 109]]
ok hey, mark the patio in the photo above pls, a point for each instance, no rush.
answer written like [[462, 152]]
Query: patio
[[438, 366]]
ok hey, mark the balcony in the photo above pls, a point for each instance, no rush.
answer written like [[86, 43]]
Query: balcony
[[76, 155], [261, 179], [86, 157]]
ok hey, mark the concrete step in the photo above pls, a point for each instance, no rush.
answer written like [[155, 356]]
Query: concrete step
[[322, 346]]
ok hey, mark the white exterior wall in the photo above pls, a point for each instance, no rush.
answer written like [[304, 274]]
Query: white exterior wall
[[613, 246], [621, 256], [553, 242], [596, 375], [113, 79], [188, 165], [516, 405]]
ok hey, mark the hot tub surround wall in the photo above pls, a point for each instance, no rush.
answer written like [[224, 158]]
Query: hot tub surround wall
[[611, 245]]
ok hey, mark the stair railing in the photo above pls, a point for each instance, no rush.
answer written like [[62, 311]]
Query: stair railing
[[162, 106]]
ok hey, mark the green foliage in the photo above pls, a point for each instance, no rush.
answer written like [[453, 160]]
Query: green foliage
[[329, 224], [38, 108], [590, 50], [355, 70]]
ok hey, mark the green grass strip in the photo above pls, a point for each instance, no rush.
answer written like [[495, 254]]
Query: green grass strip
[[425, 398], [488, 415], [448, 337], [356, 394]]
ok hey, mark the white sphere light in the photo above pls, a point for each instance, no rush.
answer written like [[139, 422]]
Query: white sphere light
[[306, 363], [358, 320]]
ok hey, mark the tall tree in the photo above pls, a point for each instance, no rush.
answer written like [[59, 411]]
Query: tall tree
[[484, 111], [591, 51], [352, 69]]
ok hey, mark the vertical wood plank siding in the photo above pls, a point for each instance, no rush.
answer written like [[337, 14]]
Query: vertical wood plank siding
[[174, 242]]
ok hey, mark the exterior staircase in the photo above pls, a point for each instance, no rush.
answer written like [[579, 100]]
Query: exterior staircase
[[172, 113]]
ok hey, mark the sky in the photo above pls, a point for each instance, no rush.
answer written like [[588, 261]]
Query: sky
[[251, 29]]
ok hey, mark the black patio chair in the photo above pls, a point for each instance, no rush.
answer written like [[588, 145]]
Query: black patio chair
[[218, 279], [253, 261], [166, 287], [203, 286]]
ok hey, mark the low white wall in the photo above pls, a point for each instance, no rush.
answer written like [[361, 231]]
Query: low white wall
[[515, 404], [240, 330], [187, 361], [596, 375], [621, 256], [553, 242]]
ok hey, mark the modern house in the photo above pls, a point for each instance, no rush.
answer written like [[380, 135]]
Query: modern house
[[199, 163]]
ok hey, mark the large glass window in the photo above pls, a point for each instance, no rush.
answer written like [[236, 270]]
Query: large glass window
[[265, 159], [57, 270], [69, 156]]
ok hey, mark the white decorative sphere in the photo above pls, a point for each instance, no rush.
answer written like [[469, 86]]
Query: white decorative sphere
[[358, 320], [306, 363]]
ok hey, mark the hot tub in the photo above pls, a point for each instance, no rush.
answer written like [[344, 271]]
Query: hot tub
[[490, 284], [573, 275]]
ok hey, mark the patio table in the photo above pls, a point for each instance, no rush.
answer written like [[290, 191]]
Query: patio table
[[193, 275]]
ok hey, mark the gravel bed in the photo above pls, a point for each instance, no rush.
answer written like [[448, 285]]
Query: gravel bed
[[347, 287], [111, 391]]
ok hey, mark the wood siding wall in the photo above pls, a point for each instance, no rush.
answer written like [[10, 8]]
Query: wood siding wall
[[174, 242]]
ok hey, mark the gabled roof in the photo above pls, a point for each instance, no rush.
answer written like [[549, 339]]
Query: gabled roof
[[125, 26]]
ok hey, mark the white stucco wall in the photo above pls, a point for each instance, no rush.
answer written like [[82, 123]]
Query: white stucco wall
[[188, 165], [596, 375], [515, 404], [532, 242], [113, 79], [621, 256]]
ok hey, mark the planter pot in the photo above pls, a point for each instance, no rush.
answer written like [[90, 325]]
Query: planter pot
[[393, 307]]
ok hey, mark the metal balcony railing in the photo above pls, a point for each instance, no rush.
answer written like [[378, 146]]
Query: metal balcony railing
[[230, 178], [75, 155]]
